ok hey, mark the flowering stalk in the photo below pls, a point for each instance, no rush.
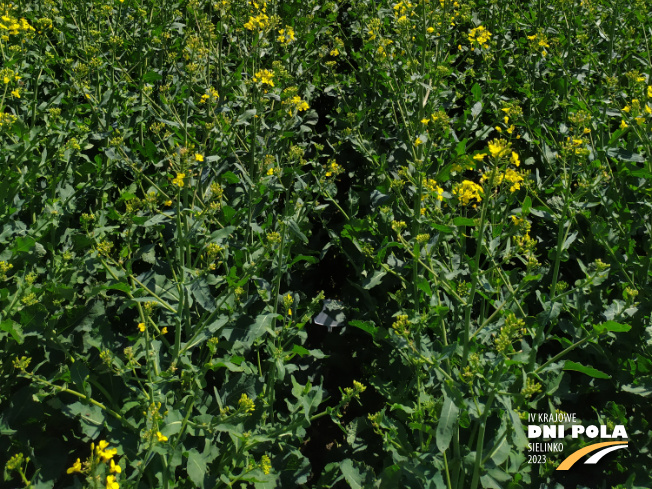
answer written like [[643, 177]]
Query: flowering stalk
[[474, 279]]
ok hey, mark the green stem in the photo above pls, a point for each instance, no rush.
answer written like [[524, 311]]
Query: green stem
[[564, 352], [81, 396], [474, 282], [482, 423]]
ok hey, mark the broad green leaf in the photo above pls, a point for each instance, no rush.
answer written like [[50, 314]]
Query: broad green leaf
[[364, 326], [24, 244], [590, 371], [13, 328], [447, 423], [518, 434], [612, 326], [442, 228], [300, 350], [91, 418], [375, 279], [642, 388], [294, 227], [463, 221], [352, 474], [196, 467], [625, 155]]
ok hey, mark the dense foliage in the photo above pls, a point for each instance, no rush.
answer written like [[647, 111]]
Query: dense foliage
[[183, 183]]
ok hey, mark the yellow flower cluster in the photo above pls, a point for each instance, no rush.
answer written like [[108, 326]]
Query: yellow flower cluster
[[246, 404], [210, 96], [7, 119], [402, 325], [479, 36], [288, 300], [99, 453], [297, 104], [333, 169], [286, 36], [265, 464], [575, 146], [431, 185], [467, 192], [510, 176], [512, 330], [4, 269], [637, 110], [539, 41], [103, 453], [178, 180], [499, 148], [12, 26], [7, 76], [264, 77], [401, 12], [258, 22]]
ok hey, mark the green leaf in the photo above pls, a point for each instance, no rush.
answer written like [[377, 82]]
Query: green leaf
[[196, 467], [447, 423], [258, 328], [352, 474], [230, 177], [463, 221], [364, 326], [612, 326], [625, 155], [590, 371], [442, 228], [518, 434], [375, 279], [151, 77], [300, 350], [294, 227], [13, 328], [24, 244], [201, 292], [91, 418], [642, 388], [476, 91], [119, 286]]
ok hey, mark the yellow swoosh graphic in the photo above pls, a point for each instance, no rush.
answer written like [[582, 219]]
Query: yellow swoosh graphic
[[575, 456]]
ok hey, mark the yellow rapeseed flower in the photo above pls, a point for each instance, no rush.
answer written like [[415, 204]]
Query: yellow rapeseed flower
[[480, 36], [178, 180], [76, 467], [246, 404], [199, 157], [286, 36], [161, 437], [141, 327], [499, 148], [111, 482], [115, 469], [264, 77], [468, 191]]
